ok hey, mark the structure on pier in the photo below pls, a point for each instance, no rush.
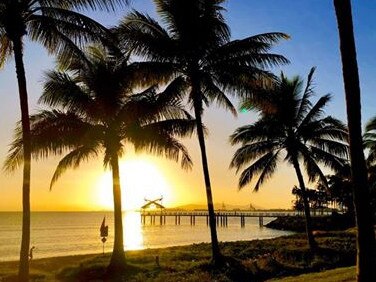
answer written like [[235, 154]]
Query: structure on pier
[[153, 203]]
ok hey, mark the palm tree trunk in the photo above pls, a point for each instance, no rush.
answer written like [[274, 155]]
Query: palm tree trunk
[[307, 212], [366, 246], [23, 271], [117, 263], [216, 254]]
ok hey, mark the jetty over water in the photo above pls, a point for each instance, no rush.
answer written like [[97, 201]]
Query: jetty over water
[[222, 217]]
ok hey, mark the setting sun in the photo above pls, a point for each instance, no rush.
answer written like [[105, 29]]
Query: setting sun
[[140, 179]]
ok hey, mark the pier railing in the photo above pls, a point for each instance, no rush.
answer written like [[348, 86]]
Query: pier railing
[[221, 216]]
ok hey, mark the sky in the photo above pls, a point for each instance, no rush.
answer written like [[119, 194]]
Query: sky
[[314, 42]]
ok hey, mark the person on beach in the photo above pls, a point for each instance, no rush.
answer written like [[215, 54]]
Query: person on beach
[[31, 253]]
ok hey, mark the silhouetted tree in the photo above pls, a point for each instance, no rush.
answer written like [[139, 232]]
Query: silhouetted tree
[[94, 111], [194, 43], [290, 123], [366, 245], [57, 27], [340, 189]]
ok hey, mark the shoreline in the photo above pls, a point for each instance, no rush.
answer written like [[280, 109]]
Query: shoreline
[[148, 248]]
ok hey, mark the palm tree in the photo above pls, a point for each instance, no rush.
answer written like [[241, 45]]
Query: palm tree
[[366, 244], [94, 111], [194, 42], [340, 189], [58, 28], [290, 123]]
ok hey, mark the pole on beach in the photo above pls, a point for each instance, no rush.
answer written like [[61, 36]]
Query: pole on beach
[[103, 232]]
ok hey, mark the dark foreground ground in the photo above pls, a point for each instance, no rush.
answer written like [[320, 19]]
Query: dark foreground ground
[[257, 260]]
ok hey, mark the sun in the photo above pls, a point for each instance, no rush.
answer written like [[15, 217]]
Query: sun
[[140, 179]]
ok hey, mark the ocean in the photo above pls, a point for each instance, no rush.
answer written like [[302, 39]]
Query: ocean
[[73, 233]]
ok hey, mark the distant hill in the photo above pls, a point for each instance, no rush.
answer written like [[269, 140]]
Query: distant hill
[[217, 206]]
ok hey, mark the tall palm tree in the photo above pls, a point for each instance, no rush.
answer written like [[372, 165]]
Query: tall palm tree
[[366, 244], [194, 41], [290, 123], [53, 24], [93, 111]]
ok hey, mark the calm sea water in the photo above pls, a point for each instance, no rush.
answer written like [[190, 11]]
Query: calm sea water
[[73, 233]]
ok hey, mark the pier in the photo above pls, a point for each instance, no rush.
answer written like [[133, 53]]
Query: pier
[[221, 217]]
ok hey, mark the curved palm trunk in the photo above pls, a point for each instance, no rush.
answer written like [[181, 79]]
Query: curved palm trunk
[[216, 254], [23, 271], [366, 246], [117, 263], [307, 212]]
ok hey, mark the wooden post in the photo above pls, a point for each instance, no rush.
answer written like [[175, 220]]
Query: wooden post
[[261, 221]]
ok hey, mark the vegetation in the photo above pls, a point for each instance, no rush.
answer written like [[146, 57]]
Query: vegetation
[[322, 223], [369, 139], [195, 43], [94, 111], [290, 123], [258, 260], [345, 274], [366, 244]]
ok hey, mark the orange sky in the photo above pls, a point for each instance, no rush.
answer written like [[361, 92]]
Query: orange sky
[[89, 187]]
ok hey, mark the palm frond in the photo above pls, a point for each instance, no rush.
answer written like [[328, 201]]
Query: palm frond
[[254, 45], [145, 37], [160, 144], [73, 160], [5, 49], [371, 124], [60, 90], [63, 31], [317, 110], [312, 168], [249, 152], [305, 103], [261, 130], [108, 5], [264, 166], [214, 93]]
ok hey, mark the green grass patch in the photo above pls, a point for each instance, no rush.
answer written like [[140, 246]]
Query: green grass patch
[[345, 274]]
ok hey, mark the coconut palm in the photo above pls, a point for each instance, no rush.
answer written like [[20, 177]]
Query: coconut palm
[[193, 40], [94, 111], [366, 243], [293, 125], [53, 24]]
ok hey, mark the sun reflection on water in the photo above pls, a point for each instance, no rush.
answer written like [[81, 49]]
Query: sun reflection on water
[[133, 238]]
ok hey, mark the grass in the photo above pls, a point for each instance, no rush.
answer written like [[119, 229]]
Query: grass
[[345, 274], [256, 260]]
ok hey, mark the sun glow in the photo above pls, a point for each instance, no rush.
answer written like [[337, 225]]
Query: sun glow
[[140, 180]]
